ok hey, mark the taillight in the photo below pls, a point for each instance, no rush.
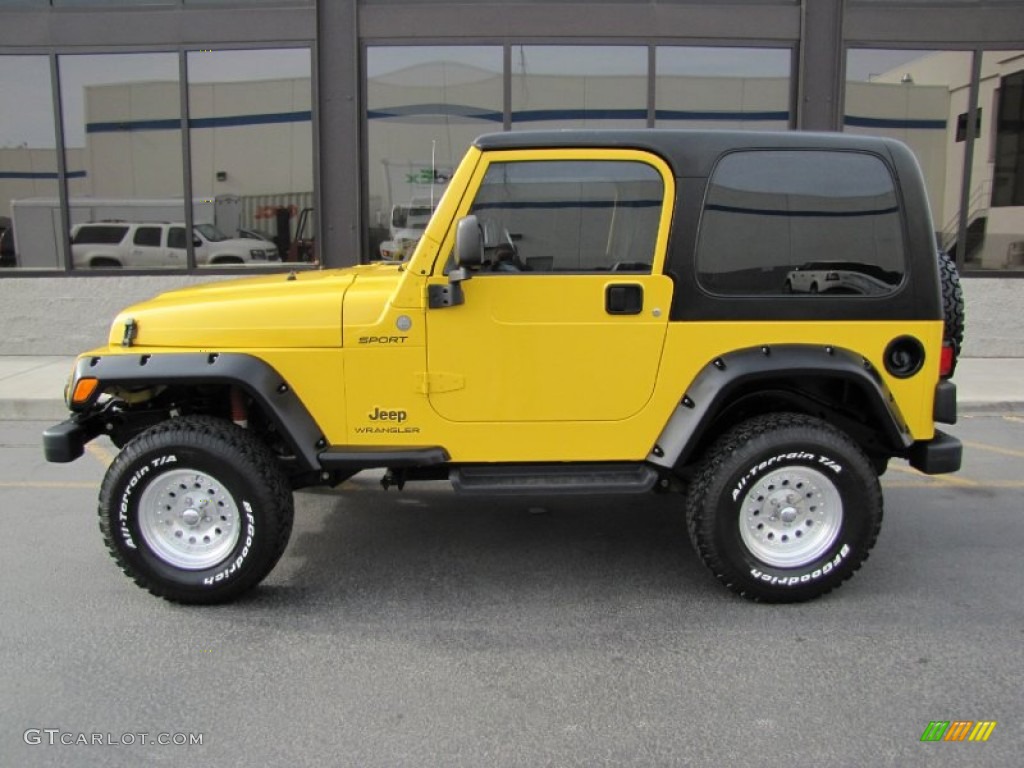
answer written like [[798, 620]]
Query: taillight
[[946, 361]]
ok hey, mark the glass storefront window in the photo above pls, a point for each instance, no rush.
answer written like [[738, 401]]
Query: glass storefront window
[[737, 88], [425, 105], [29, 209], [997, 201], [251, 146], [917, 97], [579, 86], [122, 125]]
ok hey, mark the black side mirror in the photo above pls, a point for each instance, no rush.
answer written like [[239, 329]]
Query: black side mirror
[[469, 242], [469, 252]]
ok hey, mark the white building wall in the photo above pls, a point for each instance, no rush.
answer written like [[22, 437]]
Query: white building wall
[[907, 102], [133, 163], [241, 151]]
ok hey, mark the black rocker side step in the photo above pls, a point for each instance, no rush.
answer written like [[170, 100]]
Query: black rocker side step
[[541, 479]]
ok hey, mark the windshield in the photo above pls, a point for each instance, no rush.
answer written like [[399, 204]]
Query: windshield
[[210, 232]]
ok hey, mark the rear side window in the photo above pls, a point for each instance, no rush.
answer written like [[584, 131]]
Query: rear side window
[[101, 234], [176, 237], [149, 236], [801, 222]]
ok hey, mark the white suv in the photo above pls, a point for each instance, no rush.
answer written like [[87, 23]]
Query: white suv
[[144, 244]]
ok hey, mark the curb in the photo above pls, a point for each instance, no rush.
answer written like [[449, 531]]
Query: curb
[[990, 406], [32, 410]]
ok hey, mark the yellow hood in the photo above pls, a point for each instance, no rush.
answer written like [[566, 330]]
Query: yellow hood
[[297, 310]]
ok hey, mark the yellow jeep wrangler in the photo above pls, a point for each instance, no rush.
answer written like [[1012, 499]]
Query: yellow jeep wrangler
[[759, 321]]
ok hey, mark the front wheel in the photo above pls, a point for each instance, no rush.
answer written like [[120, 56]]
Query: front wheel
[[196, 510], [784, 508]]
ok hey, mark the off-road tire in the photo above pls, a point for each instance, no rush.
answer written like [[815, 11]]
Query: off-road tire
[[196, 510], [784, 508], [952, 303]]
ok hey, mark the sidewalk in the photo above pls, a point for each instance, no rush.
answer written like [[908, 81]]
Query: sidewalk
[[32, 388]]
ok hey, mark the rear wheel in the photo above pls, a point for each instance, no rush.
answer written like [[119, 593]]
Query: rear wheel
[[196, 510], [784, 508]]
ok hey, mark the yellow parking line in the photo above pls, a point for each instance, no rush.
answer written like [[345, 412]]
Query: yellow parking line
[[101, 454], [994, 449], [48, 484], [952, 480], [935, 482]]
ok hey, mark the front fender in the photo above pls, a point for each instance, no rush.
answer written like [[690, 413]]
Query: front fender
[[251, 374]]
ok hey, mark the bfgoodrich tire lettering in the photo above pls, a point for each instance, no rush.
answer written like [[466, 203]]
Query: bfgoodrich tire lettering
[[784, 508], [196, 510]]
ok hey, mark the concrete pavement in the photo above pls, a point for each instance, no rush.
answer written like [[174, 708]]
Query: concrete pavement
[[32, 387]]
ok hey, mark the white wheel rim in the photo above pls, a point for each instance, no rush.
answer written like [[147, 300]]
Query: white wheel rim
[[791, 517], [188, 519]]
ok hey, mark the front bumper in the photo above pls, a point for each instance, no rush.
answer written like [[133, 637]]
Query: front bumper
[[66, 441]]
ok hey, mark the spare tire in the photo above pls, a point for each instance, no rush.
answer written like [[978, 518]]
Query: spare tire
[[952, 304]]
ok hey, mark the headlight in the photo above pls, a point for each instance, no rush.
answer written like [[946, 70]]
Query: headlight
[[258, 254]]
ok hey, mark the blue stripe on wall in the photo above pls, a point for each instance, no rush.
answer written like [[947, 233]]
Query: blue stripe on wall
[[123, 126], [233, 121], [413, 111], [885, 122], [678, 114], [436, 110], [551, 115], [39, 175], [545, 115], [269, 119]]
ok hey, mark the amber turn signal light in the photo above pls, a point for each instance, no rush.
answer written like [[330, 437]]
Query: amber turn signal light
[[84, 389]]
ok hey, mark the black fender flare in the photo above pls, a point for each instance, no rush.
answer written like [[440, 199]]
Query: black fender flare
[[249, 373], [712, 388]]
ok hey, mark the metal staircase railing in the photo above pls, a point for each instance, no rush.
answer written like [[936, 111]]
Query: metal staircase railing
[[977, 206]]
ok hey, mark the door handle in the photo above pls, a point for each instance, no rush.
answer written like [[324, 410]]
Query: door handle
[[624, 299]]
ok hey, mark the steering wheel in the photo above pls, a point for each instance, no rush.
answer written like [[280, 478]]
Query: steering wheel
[[506, 256]]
